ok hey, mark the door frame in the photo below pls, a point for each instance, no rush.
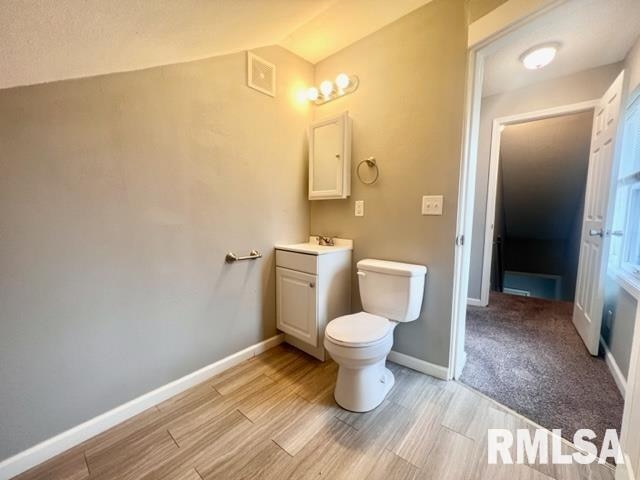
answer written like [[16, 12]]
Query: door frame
[[484, 37], [494, 167]]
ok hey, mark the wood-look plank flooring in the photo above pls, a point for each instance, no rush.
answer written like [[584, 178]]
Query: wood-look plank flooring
[[274, 417]]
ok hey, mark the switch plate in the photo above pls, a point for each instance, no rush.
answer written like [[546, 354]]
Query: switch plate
[[432, 204], [359, 208]]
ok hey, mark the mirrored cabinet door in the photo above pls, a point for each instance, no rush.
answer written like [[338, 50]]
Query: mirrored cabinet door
[[330, 158]]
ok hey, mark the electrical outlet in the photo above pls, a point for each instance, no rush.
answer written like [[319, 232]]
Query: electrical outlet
[[432, 204], [359, 208]]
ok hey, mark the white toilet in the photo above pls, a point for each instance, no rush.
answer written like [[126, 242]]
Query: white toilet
[[390, 292]]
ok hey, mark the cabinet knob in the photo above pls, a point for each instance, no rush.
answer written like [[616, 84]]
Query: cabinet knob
[[337, 155], [312, 284]]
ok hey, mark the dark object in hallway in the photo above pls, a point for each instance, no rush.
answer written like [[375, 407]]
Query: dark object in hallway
[[526, 354]]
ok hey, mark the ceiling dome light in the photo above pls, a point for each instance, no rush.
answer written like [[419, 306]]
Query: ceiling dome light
[[539, 57]]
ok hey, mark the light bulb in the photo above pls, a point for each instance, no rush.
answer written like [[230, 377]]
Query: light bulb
[[326, 88], [342, 81], [312, 94], [540, 57]]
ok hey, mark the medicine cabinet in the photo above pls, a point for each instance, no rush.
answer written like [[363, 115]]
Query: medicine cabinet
[[330, 158]]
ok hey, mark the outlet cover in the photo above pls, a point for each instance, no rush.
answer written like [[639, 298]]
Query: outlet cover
[[359, 208], [432, 204]]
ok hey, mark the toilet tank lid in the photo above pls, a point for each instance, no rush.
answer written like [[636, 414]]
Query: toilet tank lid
[[391, 268]]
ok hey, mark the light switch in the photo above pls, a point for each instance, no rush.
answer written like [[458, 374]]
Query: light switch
[[432, 204], [359, 208]]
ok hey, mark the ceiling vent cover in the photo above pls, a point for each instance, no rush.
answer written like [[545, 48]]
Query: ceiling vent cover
[[261, 75]]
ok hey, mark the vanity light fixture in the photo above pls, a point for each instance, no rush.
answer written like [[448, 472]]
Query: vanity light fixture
[[328, 90], [312, 94], [539, 56]]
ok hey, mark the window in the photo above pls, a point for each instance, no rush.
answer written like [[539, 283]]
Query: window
[[625, 232], [631, 255]]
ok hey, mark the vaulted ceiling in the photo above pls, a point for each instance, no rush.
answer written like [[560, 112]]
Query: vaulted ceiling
[[45, 40]]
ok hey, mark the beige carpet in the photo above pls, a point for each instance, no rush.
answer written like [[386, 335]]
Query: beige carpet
[[526, 354]]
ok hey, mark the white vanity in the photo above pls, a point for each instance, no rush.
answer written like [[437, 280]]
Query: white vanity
[[313, 286]]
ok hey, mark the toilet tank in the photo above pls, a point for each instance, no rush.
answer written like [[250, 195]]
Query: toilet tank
[[391, 289]]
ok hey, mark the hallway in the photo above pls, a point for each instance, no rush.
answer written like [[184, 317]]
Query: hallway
[[526, 354]]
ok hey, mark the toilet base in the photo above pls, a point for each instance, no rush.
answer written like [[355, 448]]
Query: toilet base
[[363, 389]]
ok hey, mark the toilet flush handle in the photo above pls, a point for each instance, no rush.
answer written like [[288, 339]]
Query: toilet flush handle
[[362, 274]]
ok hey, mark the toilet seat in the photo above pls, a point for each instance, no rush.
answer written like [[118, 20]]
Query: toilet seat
[[358, 330]]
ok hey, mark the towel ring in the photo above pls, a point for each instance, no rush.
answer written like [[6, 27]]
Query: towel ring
[[371, 162]]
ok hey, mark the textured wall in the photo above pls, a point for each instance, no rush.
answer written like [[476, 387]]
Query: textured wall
[[618, 323], [479, 8], [407, 113], [632, 67], [119, 196], [587, 85]]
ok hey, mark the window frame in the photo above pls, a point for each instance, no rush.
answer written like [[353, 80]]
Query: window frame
[[630, 267], [627, 182]]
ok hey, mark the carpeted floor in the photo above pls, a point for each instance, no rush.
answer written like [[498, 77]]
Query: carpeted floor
[[526, 354]]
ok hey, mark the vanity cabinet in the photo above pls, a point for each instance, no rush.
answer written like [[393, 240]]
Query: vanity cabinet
[[330, 158], [313, 286]]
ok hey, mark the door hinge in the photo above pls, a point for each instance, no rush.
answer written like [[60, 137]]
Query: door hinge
[[460, 240]]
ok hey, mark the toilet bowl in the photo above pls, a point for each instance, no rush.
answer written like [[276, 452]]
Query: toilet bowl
[[391, 293]]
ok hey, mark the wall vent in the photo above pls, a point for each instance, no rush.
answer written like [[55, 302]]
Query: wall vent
[[261, 75]]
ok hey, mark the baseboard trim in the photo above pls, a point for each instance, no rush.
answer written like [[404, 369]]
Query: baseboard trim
[[617, 374], [42, 452], [474, 302], [421, 366]]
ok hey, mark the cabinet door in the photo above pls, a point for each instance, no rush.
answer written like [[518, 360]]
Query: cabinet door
[[330, 158], [297, 304]]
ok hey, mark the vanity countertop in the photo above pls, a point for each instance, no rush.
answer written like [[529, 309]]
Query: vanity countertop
[[312, 248]]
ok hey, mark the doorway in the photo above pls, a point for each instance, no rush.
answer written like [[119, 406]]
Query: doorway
[[585, 316], [535, 202], [522, 347]]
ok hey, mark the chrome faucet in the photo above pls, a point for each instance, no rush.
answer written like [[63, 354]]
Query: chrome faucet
[[325, 241]]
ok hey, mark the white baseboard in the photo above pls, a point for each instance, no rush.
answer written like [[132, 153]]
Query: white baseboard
[[475, 302], [617, 374], [419, 365], [41, 452]]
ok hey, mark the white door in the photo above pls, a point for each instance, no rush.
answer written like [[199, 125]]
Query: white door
[[587, 310], [297, 304]]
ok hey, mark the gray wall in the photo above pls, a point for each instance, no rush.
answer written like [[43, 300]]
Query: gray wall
[[587, 85], [479, 8], [119, 196], [632, 67], [407, 113], [618, 323]]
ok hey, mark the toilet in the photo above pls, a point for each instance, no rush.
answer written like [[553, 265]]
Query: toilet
[[391, 293]]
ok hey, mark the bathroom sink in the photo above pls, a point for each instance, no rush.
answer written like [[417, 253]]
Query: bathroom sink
[[312, 248]]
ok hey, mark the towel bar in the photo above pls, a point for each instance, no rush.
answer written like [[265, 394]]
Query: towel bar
[[232, 257]]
